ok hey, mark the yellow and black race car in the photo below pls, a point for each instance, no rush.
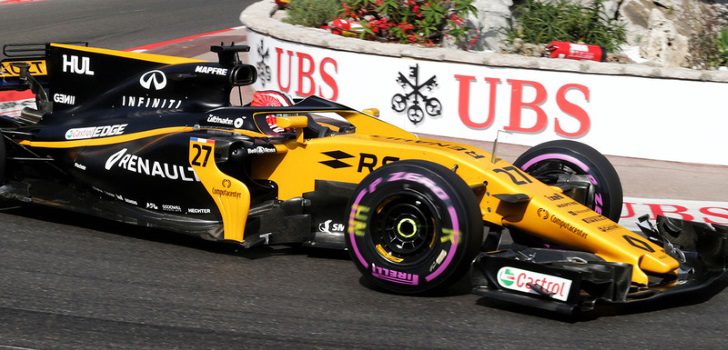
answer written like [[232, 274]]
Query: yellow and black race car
[[153, 140]]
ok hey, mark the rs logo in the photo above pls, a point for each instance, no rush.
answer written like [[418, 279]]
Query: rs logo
[[153, 80]]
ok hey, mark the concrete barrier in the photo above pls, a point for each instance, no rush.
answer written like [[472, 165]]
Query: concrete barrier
[[621, 109]]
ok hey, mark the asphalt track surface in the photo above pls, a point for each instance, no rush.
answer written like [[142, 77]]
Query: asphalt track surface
[[114, 24], [74, 282]]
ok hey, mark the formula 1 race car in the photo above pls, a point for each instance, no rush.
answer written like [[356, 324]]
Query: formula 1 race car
[[153, 141]]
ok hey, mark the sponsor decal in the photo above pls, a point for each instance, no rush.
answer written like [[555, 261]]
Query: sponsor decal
[[226, 183], [237, 122], [306, 75], [690, 210], [567, 204], [607, 228], [638, 243], [262, 150], [198, 211], [130, 201], [577, 212], [64, 99], [211, 70], [226, 193], [366, 160], [336, 162], [525, 281], [219, 120], [395, 276], [79, 166], [11, 69], [415, 102], [172, 208], [569, 227], [95, 131], [371, 161], [467, 151], [415, 177], [525, 96], [77, 65], [150, 102], [152, 206], [264, 73], [554, 197], [595, 218], [543, 213], [139, 165], [330, 227], [153, 80]]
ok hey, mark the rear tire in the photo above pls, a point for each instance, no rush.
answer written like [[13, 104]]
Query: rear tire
[[414, 227], [566, 157]]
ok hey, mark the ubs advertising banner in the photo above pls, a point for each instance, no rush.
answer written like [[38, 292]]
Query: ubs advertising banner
[[665, 119]]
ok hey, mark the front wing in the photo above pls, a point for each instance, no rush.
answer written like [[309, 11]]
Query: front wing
[[568, 282]]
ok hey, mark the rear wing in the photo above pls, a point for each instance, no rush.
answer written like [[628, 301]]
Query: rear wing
[[21, 61], [68, 77]]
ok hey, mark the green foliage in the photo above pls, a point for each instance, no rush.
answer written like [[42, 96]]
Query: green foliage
[[539, 22], [313, 13], [723, 47], [410, 21]]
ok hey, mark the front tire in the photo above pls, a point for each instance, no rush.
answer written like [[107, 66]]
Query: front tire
[[414, 227], [550, 160]]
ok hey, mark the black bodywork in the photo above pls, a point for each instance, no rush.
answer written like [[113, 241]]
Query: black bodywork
[[148, 181]]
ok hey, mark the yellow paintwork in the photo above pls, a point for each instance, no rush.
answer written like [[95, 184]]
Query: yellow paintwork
[[545, 215], [230, 195], [292, 122], [374, 112], [104, 141], [164, 59], [35, 68]]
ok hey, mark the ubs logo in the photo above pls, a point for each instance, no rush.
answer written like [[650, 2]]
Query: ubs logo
[[153, 80]]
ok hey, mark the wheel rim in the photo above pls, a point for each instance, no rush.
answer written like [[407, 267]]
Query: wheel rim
[[406, 226], [557, 172]]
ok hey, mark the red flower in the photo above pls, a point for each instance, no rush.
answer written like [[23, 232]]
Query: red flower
[[405, 26], [412, 38], [457, 20]]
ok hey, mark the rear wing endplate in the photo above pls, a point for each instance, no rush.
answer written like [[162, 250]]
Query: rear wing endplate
[[16, 57]]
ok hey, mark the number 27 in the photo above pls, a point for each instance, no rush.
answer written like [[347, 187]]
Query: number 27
[[200, 149]]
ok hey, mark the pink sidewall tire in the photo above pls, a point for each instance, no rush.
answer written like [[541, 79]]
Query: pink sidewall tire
[[414, 227]]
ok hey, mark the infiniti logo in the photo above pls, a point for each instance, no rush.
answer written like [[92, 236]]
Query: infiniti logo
[[153, 80]]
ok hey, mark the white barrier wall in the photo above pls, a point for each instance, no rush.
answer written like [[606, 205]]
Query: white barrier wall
[[665, 119]]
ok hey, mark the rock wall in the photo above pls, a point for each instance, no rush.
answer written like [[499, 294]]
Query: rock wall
[[662, 30]]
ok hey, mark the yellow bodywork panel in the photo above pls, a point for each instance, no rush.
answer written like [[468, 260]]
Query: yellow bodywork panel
[[548, 214], [164, 59], [35, 68], [230, 195]]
